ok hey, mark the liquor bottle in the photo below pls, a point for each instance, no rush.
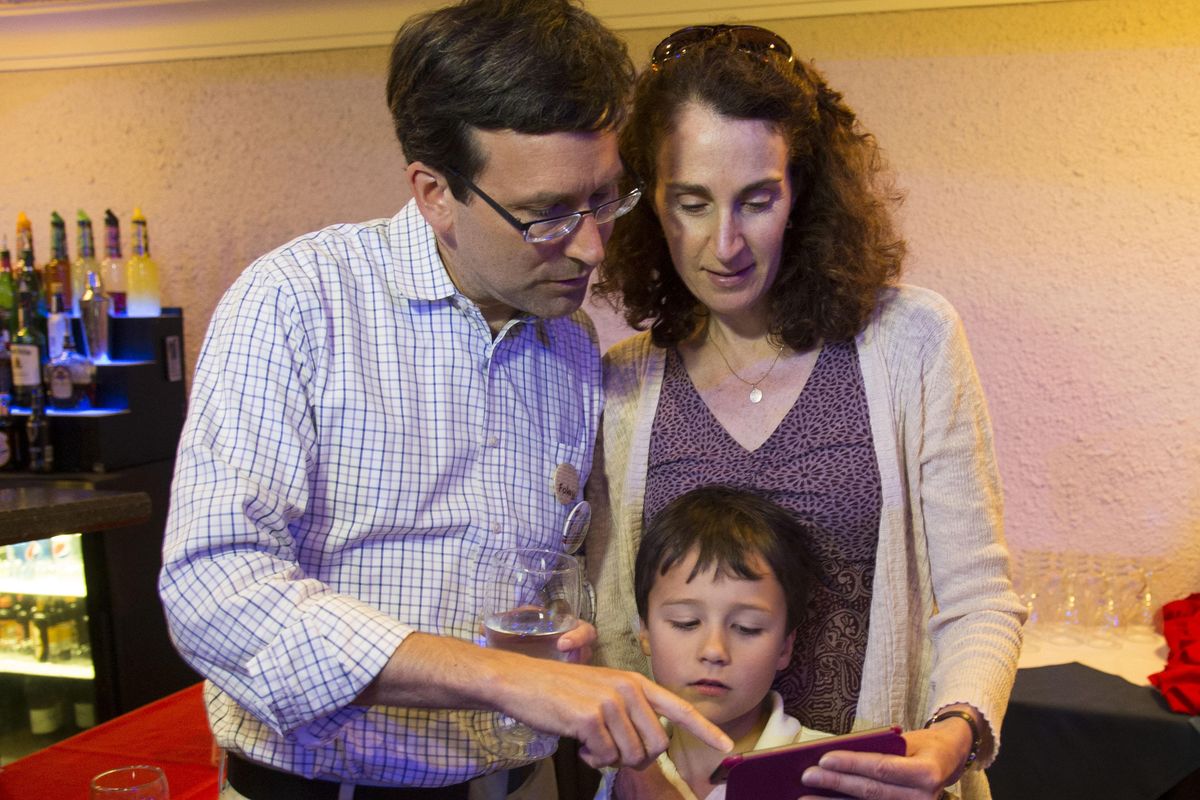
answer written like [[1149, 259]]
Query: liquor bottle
[[141, 273], [12, 451], [37, 432], [60, 631], [39, 630], [93, 309], [58, 268], [112, 268], [83, 634], [25, 239], [58, 322], [8, 292], [8, 316], [45, 708], [21, 610], [84, 263], [28, 278], [27, 348], [71, 376], [11, 634], [83, 703]]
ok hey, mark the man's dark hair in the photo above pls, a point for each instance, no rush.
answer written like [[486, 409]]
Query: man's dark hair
[[728, 528], [530, 66]]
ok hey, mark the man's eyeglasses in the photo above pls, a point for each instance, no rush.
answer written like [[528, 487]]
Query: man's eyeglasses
[[545, 230], [747, 38]]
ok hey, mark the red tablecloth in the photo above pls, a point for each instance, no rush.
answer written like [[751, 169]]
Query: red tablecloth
[[171, 733]]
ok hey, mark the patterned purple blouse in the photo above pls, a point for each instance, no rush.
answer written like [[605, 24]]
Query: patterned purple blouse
[[820, 465]]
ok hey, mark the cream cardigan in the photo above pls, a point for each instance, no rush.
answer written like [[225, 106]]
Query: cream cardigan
[[945, 623]]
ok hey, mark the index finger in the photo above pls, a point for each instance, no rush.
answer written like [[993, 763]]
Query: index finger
[[683, 713]]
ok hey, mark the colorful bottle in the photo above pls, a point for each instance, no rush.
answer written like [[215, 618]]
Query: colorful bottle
[[8, 316], [58, 268], [24, 239], [28, 351], [28, 278], [112, 268], [8, 293], [84, 263], [141, 273]]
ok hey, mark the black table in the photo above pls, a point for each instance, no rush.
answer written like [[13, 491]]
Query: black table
[[1073, 732]]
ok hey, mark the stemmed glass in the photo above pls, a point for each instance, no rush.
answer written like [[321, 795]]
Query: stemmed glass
[[1029, 575], [528, 598], [141, 782], [1144, 605]]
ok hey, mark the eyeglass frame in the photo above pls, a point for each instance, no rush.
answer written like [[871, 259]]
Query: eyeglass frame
[[524, 227], [776, 43]]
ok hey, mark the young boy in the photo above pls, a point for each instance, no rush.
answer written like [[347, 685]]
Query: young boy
[[721, 581]]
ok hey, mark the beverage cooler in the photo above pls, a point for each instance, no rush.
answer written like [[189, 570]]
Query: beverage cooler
[[82, 633]]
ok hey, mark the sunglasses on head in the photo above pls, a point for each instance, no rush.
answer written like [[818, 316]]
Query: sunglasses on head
[[746, 38]]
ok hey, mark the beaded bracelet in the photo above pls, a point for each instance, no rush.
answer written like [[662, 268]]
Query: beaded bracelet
[[976, 741]]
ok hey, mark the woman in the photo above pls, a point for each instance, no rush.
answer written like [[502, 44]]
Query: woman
[[783, 357]]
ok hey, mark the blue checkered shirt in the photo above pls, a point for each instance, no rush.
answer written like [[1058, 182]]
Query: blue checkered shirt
[[357, 439]]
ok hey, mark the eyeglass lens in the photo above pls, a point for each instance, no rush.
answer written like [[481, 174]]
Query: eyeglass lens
[[604, 213]]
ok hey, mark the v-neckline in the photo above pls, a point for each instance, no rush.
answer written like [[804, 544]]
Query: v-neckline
[[792, 409]]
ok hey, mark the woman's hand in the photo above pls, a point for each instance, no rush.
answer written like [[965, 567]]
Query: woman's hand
[[577, 643], [934, 760]]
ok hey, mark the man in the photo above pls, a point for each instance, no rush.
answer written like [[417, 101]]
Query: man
[[377, 406]]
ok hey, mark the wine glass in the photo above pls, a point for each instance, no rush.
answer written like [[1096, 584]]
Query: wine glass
[[1144, 605], [528, 598], [1028, 575], [141, 782], [1102, 618]]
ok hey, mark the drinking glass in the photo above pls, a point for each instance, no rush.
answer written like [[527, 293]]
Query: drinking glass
[[1028, 577], [528, 599], [1103, 618], [141, 782], [1144, 605]]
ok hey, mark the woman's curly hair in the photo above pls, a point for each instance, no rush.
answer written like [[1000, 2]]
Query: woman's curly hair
[[841, 246]]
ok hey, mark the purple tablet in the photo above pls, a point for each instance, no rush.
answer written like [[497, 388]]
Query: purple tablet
[[774, 774]]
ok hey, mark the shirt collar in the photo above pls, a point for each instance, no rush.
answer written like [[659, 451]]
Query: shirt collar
[[420, 273]]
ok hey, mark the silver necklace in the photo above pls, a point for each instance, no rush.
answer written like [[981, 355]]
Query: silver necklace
[[756, 394]]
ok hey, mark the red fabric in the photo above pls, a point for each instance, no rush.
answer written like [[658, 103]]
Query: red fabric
[[1179, 682], [171, 733]]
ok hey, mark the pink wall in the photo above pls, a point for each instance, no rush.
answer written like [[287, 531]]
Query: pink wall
[[1049, 153]]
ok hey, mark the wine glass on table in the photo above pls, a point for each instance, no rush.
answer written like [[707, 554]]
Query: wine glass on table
[[141, 782], [528, 598]]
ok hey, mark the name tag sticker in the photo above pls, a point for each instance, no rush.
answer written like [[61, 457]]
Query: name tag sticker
[[565, 483]]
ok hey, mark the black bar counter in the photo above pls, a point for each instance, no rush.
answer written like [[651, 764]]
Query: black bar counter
[[35, 511]]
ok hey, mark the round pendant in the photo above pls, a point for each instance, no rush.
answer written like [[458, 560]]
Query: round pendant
[[756, 395]]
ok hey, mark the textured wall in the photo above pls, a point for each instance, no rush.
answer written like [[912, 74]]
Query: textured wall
[[1049, 154]]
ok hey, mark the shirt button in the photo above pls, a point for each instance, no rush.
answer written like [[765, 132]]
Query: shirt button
[[493, 440]]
